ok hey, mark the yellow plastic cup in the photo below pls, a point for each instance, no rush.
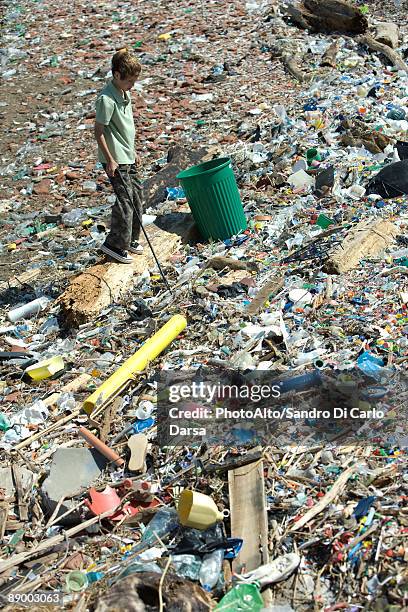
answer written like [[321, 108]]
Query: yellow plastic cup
[[198, 510]]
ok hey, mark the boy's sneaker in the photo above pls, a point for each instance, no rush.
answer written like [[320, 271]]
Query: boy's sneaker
[[136, 247], [118, 254]]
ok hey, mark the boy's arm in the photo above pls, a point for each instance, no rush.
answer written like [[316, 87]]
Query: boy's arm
[[100, 139]]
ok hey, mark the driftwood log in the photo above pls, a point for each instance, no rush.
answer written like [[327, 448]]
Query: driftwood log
[[395, 59], [105, 283], [328, 16], [387, 34], [365, 240]]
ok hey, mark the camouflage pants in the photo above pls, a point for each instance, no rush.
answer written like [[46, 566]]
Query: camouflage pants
[[125, 226]]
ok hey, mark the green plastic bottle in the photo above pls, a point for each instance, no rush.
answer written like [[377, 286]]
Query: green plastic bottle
[[242, 598], [4, 424]]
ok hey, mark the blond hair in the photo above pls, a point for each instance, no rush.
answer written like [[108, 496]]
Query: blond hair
[[126, 63]]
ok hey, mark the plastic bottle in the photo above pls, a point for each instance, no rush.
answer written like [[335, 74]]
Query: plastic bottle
[[187, 273], [300, 383], [187, 566], [241, 598], [32, 308], [372, 366], [310, 357], [211, 568], [74, 217], [94, 576], [50, 326], [137, 567], [162, 524]]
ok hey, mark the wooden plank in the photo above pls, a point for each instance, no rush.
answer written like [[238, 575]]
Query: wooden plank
[[330, 496], [364, 240], [4, 511], [72, 386], [18, 483], [270, 289], [21, 279], [248, 515], [109, 418]]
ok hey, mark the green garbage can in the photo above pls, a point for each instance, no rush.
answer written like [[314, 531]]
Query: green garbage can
[[213, 196]]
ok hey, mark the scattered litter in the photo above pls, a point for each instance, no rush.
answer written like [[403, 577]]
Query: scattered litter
[[274, 158]]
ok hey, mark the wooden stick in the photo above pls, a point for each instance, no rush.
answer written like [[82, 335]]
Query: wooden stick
[[21, 279], [71, 387], [329, 57], [22, 505], [162, 577], [325, 501], [47, 430], [272, 287], [50, 542], [292, 67], [4, 510], [389, 53]]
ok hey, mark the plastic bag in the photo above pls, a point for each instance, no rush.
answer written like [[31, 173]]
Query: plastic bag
[[391, 181]]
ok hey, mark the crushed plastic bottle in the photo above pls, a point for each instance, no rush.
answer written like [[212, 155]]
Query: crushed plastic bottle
[[188, 273], [187, 566], [309, 357], [139, 566], [74, 217], [50, 326], [371, 366], [19, 422], [175, 193], [66, 402], [105, 361], [89, 185], [162, 524], [211, 568]]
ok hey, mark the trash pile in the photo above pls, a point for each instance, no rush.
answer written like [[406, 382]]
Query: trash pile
[[94, 511]]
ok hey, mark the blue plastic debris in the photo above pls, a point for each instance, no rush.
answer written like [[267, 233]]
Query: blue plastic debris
[[371, 365], [175, 193], [363, 506]]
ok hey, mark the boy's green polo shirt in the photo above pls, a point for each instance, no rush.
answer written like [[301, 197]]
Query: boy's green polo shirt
[[115, 113]]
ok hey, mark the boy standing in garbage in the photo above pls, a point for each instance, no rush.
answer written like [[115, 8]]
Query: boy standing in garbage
[[115, 135]]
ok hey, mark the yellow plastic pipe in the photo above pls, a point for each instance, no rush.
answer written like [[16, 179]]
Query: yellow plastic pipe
[[137, 363]]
